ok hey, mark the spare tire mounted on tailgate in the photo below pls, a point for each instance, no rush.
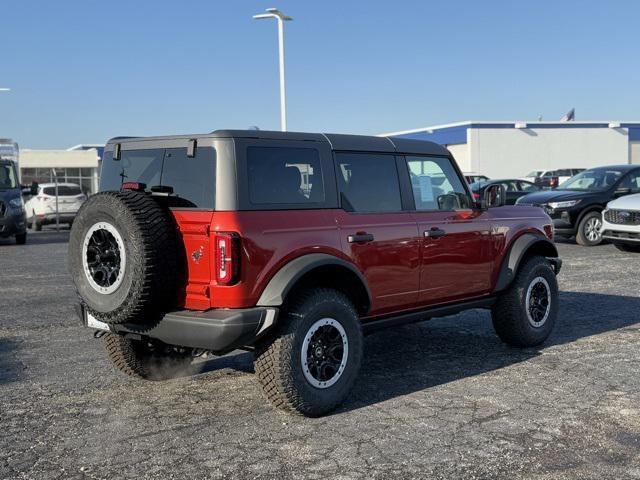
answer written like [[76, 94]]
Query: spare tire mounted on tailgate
[[124, 257]]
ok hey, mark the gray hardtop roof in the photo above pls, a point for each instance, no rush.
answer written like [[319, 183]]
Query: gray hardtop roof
[[335, 140]]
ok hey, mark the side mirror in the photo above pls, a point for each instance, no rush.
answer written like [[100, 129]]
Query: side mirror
[[620, 192], [494, 196]]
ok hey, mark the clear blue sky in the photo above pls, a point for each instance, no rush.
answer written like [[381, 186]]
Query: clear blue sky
[[82, 71]]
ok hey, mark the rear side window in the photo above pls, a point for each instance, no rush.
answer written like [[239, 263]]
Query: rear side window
[[280, 175], [63, 191], [190, 182], [368, 182]]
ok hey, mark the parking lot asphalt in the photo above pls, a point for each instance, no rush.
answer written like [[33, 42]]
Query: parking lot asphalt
[[440, 399]]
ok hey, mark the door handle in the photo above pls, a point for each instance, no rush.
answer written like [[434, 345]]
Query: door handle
[[435, 232], [360, 238]]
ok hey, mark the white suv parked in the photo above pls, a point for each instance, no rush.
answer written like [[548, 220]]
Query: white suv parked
[[621, 223], [41, 208]]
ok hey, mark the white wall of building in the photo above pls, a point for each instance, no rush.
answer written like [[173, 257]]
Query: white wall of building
[[634, 152], [461, 154], [509, 152], [75, 166]]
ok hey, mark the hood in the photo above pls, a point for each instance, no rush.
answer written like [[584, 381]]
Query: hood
[[546, 196], [628, 202], [8, 195]]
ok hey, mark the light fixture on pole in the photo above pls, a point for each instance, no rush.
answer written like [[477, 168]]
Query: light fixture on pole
[[5, 89], [281, 18]]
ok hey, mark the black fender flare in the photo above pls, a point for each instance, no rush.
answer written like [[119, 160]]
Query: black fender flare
[[518, 250], [285, 279]]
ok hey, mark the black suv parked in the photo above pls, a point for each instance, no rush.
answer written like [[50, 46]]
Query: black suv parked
[[576, 205]]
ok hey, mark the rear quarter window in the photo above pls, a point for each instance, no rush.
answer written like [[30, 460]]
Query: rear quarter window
[[286, 176]]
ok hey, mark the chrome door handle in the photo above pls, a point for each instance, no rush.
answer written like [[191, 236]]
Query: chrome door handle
[[435, 233], [360, 238]]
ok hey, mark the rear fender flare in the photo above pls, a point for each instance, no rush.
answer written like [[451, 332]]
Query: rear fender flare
[[518, 250], [286, 278]]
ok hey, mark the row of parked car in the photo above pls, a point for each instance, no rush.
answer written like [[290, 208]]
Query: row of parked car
[[593, 205], [35, 205]]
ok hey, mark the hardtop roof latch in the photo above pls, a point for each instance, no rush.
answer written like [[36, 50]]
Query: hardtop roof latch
[[191, 148], [116, 151]]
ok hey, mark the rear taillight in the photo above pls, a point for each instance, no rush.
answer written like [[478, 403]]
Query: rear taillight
[[227, 248], [553, 183], [476, 196]]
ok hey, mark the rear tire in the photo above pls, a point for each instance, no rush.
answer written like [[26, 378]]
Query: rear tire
[[627, 248], [310, 363], [589, 230], [21, 238], [150, 361], [524, 315]]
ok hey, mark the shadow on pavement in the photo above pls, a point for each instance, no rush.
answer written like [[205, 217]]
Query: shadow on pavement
[[10, 368], [242, 362], [47, 237], [416, 357]]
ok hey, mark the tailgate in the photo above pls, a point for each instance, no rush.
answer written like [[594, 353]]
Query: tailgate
[[194, 231]]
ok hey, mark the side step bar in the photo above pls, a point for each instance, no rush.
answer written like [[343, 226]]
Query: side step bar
[[426, 314]]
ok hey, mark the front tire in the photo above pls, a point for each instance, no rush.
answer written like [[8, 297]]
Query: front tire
[[311, 361], [150, 361], [589, 230], [524, 315], [627, 248]]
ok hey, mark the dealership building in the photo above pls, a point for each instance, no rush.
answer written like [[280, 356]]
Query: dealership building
[[79, 164], [512, 149]]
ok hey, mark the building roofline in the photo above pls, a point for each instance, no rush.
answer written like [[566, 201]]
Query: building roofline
[[513, 123]]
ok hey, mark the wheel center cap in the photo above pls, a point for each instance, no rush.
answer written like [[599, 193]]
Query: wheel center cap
[[318, 352]]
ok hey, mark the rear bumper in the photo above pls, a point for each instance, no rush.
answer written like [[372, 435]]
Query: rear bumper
[[48, 218], [219, 331]]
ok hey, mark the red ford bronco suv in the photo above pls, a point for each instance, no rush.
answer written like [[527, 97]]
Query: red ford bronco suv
[[293, 245]]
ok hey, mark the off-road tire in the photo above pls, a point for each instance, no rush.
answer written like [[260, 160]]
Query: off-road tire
[[137, 358], [581, 234], [21, 238], [627, 248], [509, 313], [278, 363], [152, 273]]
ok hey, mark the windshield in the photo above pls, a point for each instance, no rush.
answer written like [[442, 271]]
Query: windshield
[[534, 173], [595, 180], [477, 185], [8, 178]]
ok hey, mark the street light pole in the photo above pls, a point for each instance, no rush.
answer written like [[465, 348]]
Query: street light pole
[[281, 18]]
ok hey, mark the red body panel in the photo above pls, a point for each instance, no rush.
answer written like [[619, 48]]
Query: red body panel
[[390, 263], [459, 264], [403, 269], [194, 230]]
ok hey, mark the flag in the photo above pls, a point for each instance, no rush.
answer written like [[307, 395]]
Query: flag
[[570, 116]]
